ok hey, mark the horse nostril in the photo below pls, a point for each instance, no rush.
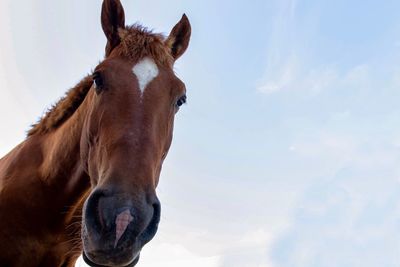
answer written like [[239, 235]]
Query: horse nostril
[[157, 211], [152, 227], [92, 216]]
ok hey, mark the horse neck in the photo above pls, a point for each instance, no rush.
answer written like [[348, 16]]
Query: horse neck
[[62, 166]]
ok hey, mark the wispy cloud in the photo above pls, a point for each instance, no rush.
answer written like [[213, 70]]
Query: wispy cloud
[[344, 221], [281, 78], [291, 77], [175, 255]]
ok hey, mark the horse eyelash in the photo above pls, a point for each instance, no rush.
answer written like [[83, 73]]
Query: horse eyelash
[[182, 100]]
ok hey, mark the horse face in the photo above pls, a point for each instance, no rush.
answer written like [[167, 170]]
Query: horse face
[[126, 136]]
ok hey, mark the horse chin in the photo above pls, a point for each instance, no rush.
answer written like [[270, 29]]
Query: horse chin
[[92, 264]]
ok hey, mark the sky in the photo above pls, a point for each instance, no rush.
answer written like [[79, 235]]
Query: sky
[[288, 151]]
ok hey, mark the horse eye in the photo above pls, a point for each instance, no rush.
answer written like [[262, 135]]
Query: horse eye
[[98, 82], [181, 101]]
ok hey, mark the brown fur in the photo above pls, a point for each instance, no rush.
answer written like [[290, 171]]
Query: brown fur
[[137, 42]]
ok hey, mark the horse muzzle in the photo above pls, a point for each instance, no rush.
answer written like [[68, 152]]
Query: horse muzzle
[[115, 227]]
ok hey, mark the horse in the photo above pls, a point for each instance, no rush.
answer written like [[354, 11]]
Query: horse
[[84, 179]]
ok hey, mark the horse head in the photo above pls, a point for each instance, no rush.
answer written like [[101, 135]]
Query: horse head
[[126, 135]]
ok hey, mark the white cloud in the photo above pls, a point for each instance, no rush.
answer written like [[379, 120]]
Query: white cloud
[[358, 75], [340, 149], [174, 255], [253, 249], [340, 115], [290, 77], [280, 79], [339, 222]]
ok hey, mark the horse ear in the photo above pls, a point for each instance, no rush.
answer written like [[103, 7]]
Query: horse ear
[[112, 18], [178, 39]]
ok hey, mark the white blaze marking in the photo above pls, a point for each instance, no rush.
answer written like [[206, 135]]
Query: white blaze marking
[[121, 223], [145, 70]]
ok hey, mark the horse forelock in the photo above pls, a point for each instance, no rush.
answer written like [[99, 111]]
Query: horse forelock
[[137, 42]]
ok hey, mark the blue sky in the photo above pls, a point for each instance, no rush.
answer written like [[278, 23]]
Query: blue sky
[[288, 152]]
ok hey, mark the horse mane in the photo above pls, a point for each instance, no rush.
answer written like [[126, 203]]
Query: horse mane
[[136, 43], [63, 109]]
